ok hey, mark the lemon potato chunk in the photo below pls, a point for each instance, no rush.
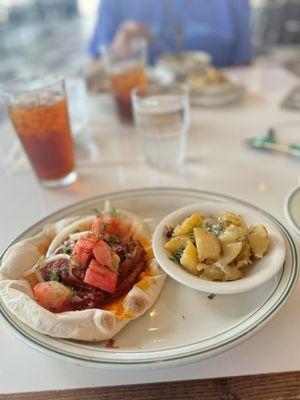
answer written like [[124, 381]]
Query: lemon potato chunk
[[200, 267], [230, 218], [232, 234], [212, 273], [188, 224], [230, 251], [208, 245], [230, 273], [258, 240], [189, 258], [176, 243]]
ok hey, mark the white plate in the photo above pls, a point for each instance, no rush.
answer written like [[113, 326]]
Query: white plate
[[183, 63], [234, 94], [217, 89], [292, 209], [259, 273], [184, 325]]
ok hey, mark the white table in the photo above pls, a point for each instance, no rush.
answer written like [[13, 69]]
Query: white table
[[217, 161]]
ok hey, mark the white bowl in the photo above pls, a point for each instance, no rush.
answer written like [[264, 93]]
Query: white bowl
[[257, 274]]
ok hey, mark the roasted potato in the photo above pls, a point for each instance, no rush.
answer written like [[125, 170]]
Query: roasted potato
[[189, 259], [176, 243], [188, 224], [230, 251], [217, 247], [258, 240], [208, 245]]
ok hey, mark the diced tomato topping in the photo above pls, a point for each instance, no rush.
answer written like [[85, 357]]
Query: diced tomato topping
[[83, 249], [102, 253], [101, 277], [81, 258], [111, 225], [52, 295], [85, 244]]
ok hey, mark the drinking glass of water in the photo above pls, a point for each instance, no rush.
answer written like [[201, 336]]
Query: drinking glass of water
[[161, 114]]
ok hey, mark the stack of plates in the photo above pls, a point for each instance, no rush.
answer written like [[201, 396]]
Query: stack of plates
[[217, 95]]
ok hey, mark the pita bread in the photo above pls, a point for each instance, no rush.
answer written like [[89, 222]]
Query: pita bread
[[88, 325]]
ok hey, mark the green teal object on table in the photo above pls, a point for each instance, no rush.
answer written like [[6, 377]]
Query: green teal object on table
[[267, 143]]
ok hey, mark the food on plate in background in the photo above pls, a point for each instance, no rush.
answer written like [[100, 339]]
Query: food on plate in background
[[83, 278], [211, 77], [213, 88], [216, 248], [185, 63]]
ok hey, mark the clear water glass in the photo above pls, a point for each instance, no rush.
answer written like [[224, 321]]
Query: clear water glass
[[161, 114]]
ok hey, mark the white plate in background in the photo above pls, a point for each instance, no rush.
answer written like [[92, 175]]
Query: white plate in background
[[210, 98], [292, 209]]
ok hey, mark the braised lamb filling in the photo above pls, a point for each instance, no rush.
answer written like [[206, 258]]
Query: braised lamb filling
[[71, 273]]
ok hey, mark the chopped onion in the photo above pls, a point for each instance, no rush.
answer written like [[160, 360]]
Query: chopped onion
[[56, 257], [39, 276], [29, 272], [78, 235], [75, 299], [107, 206], [35, 269]]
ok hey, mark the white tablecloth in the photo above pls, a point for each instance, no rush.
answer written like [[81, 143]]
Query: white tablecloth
[[217, 161]]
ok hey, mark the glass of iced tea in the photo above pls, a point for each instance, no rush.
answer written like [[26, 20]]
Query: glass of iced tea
[[38, 110], [126, 69]]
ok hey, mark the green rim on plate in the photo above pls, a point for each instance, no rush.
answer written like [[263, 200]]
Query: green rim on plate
[[102, 357], [289, 202]]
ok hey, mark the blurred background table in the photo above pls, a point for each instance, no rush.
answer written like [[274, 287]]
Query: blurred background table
[[217, 160]]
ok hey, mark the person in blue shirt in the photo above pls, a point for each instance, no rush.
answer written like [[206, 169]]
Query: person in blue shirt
[[219, 27]]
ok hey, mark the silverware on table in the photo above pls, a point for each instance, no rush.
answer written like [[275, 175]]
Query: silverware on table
[[270, 143]]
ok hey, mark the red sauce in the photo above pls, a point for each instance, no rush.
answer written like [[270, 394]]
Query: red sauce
[[111, 344]]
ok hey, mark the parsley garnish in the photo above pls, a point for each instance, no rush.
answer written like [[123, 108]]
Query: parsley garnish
[[177, 255], [216, 229], [113, 239], [54, 275], [65, 249], [113, 212], [211, 296], [105, 225], [40, 262], [97, 212], [74, 291]]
